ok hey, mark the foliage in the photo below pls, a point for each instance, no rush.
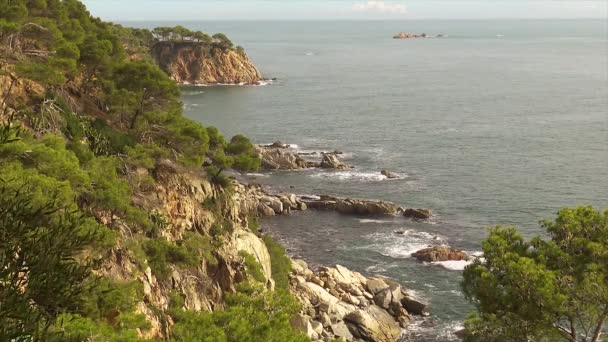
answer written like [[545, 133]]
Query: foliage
[[541, 289], [108, 314], [42, 271], [280, 263], [251, 315], [253, 267]]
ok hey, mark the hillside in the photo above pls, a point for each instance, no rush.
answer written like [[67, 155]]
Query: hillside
[[118, 222]]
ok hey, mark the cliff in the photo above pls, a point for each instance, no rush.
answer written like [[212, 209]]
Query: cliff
[[198, 63], [336, 303]]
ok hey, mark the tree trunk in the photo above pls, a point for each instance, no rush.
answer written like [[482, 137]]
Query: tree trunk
[[600, 325]]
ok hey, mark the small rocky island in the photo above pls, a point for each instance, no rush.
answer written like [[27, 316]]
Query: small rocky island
[[404, 35]]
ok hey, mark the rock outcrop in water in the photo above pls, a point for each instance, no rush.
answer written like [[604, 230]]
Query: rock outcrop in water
[[440, 253], [278, 156], [351, 206], [339, 303], [189, 62]]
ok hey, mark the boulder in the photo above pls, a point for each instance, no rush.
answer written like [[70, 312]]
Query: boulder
[[413, 306], [340, 330], [440, 253], [373, 324], [302, 323], [418, 214], [376, 285], [389, 174], [265, 210], [274, 203], [331, 161]]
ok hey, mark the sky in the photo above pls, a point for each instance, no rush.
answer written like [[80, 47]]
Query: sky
[[172, 10]]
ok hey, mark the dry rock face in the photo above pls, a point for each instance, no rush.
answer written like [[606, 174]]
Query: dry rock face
[[339, 303], [196, 63], [441, 253]]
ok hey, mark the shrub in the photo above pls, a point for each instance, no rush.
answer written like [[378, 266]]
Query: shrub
[[281, 264]]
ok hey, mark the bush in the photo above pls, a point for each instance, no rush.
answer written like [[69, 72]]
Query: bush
[[251, 315], [253, 267], [281, 264]]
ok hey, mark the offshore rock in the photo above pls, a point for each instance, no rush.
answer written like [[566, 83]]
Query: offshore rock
[[418, 214], [331, 161], [350, 206], [440, 253]]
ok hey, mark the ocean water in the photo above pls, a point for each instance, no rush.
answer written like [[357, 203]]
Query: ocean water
[[500, 122]]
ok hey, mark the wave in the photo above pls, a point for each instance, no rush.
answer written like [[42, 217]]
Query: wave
[[373, 221], [310, 54], [257, 175], [351, 175], [402, 244], [454, 265], [192, 93]]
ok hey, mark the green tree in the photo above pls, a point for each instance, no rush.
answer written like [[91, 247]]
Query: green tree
[[222, 41], [143, 87], [542, 290], [42, 271]]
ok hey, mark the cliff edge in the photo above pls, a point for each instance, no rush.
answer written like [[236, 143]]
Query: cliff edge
[[198, 63]]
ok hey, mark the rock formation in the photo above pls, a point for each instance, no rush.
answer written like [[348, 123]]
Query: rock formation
[[390, 175], [339, 303], [352, 206], [440, 253], [196, 63], [277, 156], [419, 214], [331, 161]]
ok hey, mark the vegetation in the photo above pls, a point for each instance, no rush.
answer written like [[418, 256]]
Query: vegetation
[[81, 141], [542, 290], [281, 264]]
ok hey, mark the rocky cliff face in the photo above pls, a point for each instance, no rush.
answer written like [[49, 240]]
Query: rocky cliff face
[[336, 303], [196, 63]]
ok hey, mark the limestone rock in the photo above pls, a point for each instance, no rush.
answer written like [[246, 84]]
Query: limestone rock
[[440, 253]]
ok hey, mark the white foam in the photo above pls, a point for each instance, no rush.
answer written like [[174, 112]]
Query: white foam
[[351, 175], [310, 54], [403, 244], [373, 221], [454, 265], [257, 175]]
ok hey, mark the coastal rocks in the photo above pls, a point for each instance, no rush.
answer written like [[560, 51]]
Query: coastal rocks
[[189, 62], [373, 324], [348, 305], [278, 158], [440, 253], [418, 214], [390, 175], [331, 161], [413, 306], [350, 206]]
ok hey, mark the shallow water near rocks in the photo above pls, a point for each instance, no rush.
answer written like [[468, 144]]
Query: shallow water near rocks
[[501, 122]]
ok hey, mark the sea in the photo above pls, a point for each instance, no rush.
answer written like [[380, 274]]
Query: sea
[[497, 122]]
